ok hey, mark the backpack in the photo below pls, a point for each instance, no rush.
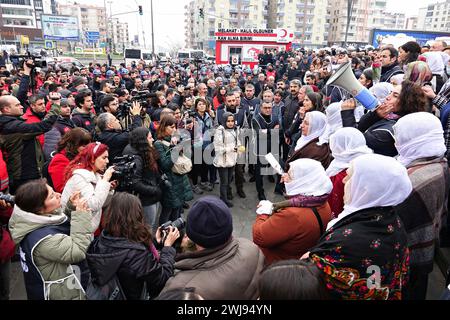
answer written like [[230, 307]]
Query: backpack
[[112, 290]]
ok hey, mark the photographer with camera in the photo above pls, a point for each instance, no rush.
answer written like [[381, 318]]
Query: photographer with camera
[[126, 250], [111, 132], [147, 181]]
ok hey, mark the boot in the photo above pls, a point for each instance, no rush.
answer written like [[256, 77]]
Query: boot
[[241, 193], [229, 194], [228, 203], [261, 195]]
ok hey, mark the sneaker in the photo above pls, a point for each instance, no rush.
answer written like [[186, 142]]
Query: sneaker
[[241, 193], [206, 186], [196, 189]]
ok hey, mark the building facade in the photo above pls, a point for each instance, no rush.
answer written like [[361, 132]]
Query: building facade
[[395, 21], [90, 18], [309, 18], [435, 17], [118, 32]]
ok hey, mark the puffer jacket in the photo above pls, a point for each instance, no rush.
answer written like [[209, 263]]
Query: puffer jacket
[[133, 263], [228, 272], [180, 191], [84, 120], [31, 117], [54, 255], [92, 187], [226, 143], [53, 136], [145, 181]]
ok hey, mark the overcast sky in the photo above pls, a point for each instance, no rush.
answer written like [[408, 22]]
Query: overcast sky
[[169, 17]]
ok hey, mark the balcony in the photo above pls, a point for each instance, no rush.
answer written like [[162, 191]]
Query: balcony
[[233, 10]]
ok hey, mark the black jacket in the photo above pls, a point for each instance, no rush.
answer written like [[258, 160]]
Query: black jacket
[[291, 106], [389, 71], [53, 136], [145, 181], [133, 263], [294, 74], [118, 140], [22, 151], [377, 131]]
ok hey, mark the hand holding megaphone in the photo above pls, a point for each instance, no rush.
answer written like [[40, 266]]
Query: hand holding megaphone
[[345, 79]]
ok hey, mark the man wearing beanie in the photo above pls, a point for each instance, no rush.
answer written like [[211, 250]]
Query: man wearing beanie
[[217, 265]]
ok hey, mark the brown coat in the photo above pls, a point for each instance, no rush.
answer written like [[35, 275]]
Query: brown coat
[[312, 151], [289, 233]]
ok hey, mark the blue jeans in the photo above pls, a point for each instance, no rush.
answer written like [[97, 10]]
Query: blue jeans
[[150, 213]]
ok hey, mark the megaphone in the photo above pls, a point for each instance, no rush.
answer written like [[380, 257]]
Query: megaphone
[[345, 79]]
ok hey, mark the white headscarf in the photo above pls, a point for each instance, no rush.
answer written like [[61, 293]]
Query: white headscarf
[[334, 119], [375, 181], [381, 90], [308, 179], [346, 144], [317, 125], [418, 135]]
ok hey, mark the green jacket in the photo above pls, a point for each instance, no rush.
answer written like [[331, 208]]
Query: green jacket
[[180, 191], [54, 255]]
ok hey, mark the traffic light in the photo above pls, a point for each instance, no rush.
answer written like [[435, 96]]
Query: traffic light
[[201, 12], [140, 10]]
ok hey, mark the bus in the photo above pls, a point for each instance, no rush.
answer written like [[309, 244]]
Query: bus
[[134, 55], [191, 54]]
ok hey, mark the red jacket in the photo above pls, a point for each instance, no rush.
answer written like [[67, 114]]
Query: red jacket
[[30, 117], [289, 233], [56, 170], [336, 199]]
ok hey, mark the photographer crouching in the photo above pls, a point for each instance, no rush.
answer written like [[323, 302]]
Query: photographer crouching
[[111, 132], [146, 182]]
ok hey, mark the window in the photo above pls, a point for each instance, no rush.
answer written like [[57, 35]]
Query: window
[[18, 2]]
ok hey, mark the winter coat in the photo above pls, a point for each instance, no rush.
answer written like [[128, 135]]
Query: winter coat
[[53, 136], [291, 106], [313, 151], [389, 71], [22, 151], [379, 132], [32, 117], [240, 116], [205, 124], [145, 181], [84, 120], [227, 272], [54, 255], [251, 106], [117, 140], [133, 263], [226, 143], [289, 233], [56, 169], [92, 187], [180, 191]]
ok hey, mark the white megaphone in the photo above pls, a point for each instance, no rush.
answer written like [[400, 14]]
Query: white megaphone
[[345, 79]]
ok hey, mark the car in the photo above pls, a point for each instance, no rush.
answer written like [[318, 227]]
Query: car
[[64, 62]]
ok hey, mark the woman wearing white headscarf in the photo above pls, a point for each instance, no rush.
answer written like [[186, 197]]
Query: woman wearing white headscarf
[[334, 120], [420, 143], [297, 224], [369, 235], [381, 90], [313, 143], [346, 144]]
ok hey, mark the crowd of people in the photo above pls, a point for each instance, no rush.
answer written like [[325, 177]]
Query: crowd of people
[[103, 161]]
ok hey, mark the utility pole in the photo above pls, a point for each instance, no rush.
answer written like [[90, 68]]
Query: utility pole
[[112, 27], [153, 34], [272, 14], [106, 23], [349, 18]]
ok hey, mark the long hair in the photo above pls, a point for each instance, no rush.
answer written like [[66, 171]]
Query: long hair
[[413, 50], [220, 97], [206, 102], [138, 140], [166, 121], [316, 99], [85, 159], [72, 140], [123, 218], [412, 99]]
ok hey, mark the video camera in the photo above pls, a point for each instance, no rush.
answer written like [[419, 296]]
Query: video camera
[[7, 198], [19, 59], [124, 168]]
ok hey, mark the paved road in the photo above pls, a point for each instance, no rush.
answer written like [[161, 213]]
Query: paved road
[[86, 61], [243, 218]]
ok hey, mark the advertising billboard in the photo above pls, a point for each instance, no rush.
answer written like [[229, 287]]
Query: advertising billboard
[[421, 37], [60, 28]]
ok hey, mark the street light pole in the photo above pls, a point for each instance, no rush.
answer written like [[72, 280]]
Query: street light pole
[[106, 22], [153, 35], [349, 17]]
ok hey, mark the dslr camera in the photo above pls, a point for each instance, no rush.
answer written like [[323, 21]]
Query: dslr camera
[[7, 198], [20, 59], [179, 224], [124, 168]]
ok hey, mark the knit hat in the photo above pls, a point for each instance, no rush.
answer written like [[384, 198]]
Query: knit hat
[[209, 222], [78, 81]]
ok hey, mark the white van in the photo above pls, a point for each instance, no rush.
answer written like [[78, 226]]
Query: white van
[[136, 55], [191, 54]]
